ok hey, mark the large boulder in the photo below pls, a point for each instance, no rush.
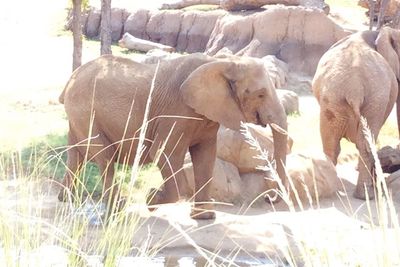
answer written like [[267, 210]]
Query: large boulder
[[312, 177], [233, 147], [289, 100], [164, 26], [93, 23], [135, 23], [118, 18], [195, 30], [256, 185], [297, 35], [226, 184]]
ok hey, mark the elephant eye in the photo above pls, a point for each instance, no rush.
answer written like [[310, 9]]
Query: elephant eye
[[261, 96]]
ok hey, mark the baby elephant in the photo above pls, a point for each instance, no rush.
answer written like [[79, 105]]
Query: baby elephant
[[358, 77], [106, 99]]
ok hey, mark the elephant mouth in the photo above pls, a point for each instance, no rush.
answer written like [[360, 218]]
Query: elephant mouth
[[259, 121]]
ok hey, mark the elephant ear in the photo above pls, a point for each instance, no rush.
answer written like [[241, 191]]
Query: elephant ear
[[210, 91], [384, 46]]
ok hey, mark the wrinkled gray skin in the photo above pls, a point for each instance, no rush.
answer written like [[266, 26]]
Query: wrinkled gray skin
[[112, 93], [357, 77]]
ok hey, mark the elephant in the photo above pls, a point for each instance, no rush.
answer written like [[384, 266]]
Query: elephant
[[358, 77], [105, 102]]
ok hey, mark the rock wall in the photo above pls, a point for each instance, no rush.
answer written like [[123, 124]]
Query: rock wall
[[297, 35]]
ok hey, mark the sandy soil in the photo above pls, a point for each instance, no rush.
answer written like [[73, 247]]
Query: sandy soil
[[37, 63]]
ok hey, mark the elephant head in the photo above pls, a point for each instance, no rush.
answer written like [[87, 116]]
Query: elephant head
[[388, 45], [233, 89]]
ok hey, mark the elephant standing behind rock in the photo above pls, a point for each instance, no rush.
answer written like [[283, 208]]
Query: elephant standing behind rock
[[358, 77], [105, 101]]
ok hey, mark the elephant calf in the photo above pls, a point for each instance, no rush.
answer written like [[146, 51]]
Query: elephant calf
[[105, 101], [358, 77]]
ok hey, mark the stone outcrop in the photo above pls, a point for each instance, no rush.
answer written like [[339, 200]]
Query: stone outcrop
[[312, 176], [296, 35], [233, 147], [289, 100]]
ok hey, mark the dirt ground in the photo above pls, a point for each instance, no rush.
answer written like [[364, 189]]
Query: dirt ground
[[37, 63]]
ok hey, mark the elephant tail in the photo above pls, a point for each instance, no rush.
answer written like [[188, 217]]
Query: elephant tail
[[355, 106]]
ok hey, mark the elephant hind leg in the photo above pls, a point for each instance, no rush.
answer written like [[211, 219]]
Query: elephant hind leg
[[366, 162], [332, 129], [74, 163]]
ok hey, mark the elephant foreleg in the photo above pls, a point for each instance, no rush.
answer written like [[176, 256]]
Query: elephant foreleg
[[171, 167], [203, 158]]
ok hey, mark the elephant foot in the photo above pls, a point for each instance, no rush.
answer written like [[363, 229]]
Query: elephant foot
[[63, 194], [360, 192], [203, 212], [154, 198], [272, 197]]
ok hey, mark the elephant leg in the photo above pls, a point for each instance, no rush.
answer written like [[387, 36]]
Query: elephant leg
[[171, 168], [74, 163], [103, 154], [332, 129], [366, 162], [203, 158]]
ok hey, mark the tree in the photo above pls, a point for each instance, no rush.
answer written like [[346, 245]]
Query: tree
[[105, 27], [77, 33]]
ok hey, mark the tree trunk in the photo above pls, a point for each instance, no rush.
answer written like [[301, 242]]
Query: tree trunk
[[371, 7], [131, 42], [77, 34], [105, 27], [382, 11]]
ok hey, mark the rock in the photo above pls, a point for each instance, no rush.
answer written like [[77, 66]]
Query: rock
[[195, 30], [136, 22], [93, 23], [312, 176], [130, 42], [389, 158], [118, 17], [297, 35], [163, 26], [155, 55], [289, 100], [232, 147], [255, 186], [226, 185]]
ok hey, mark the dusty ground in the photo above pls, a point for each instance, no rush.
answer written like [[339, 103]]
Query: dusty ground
[[35, 63]]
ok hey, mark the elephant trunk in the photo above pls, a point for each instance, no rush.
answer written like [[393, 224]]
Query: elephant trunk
[[274, 115]]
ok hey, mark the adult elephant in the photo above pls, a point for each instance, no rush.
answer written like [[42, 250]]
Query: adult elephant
[[358, 77], [105, 100]]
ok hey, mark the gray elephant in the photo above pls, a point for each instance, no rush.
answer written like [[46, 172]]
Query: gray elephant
[[105, 101], [358, 77]]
